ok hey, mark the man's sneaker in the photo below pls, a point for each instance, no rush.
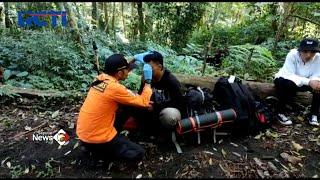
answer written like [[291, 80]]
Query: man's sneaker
[[284, 120], [313, 120]]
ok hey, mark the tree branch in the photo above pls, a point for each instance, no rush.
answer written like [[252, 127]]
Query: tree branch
[[306, 19]]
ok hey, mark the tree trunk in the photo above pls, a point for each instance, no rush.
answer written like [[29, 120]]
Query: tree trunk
[[141, 22], [283, 20], [133, 21], [73, 24], [106, 18], [94, 15], [113, 19], [123, 18], [1, 18], [260, 90], [101, 24], [7, 20]]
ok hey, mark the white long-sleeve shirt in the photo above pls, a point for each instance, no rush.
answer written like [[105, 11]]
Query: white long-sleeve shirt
[[296, 70]]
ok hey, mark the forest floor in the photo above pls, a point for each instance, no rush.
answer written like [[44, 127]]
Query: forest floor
[[280, 152]]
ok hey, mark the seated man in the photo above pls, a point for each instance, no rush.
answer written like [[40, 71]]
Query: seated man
[[95, 124], [300, 72], [166, 93]]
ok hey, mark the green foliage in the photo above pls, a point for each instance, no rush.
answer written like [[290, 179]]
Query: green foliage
[[133, 81], [55, 61], [261, 66], [283, 47], [5, 91], [174, 22], [16, 171]]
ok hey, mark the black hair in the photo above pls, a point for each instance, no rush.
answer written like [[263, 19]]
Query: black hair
[[154, 57]]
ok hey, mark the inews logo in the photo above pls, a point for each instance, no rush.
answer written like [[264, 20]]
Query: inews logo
[[61, 137]]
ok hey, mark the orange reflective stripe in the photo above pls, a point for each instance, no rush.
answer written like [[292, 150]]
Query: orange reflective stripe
[[193, 122], [219, 118]]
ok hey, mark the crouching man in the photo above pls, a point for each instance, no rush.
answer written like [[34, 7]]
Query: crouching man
[[95, 124]]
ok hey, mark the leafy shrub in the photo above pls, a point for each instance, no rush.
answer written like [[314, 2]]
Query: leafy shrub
[[261, 66]]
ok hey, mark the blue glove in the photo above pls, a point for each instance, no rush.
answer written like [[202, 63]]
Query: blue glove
[[147, 72], [139, 57]]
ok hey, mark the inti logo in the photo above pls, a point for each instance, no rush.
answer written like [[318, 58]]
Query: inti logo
[[29, 18]]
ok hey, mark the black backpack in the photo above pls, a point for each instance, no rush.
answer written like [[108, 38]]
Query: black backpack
[[199, 100], [252, 116]]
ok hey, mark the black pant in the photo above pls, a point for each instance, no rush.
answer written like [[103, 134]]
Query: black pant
[[286, 89], [148, 121], [119, 148]]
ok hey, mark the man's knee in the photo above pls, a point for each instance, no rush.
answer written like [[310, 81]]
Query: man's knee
[[284, 83]]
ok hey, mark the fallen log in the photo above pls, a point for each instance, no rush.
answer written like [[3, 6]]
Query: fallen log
[[33, 93], [259, 89]]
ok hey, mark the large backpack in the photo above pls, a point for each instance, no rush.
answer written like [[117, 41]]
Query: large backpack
[[252, 116]]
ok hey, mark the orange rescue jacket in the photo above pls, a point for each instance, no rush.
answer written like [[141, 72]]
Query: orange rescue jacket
[[95, 123]]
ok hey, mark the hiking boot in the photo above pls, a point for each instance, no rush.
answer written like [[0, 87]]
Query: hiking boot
[[313, 120], [284, 120]]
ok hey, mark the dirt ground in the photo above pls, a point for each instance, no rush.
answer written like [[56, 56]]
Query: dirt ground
[[280, 152]]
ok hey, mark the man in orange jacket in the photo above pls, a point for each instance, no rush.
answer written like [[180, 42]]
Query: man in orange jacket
[[95, 124]]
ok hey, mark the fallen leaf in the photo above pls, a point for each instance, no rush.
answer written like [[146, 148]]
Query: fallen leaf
[[139, 176], [233, 144], [258, 161], [292, 168], [208, 152], [272, 166], [236, 154], [8, 164], [3, 161], [110, 166], [259, 135], [300, 118], [33, 167], [26, 171], [260, 173], [315, 129], [55, 114], [272, 134], [76, 145], [315, 176], [71, 126], [220, 141], [318, 142], [285, 167], [297, 146], [214, 149], [225, 171], [67, 153], [292, 159], [210, 162], [266, 173], [149, 174], [223, 153], [27, 128]]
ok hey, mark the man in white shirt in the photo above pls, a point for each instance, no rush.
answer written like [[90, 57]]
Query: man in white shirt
[[300, 72]]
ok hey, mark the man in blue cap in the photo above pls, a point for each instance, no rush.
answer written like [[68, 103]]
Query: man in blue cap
[[166, 93]]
